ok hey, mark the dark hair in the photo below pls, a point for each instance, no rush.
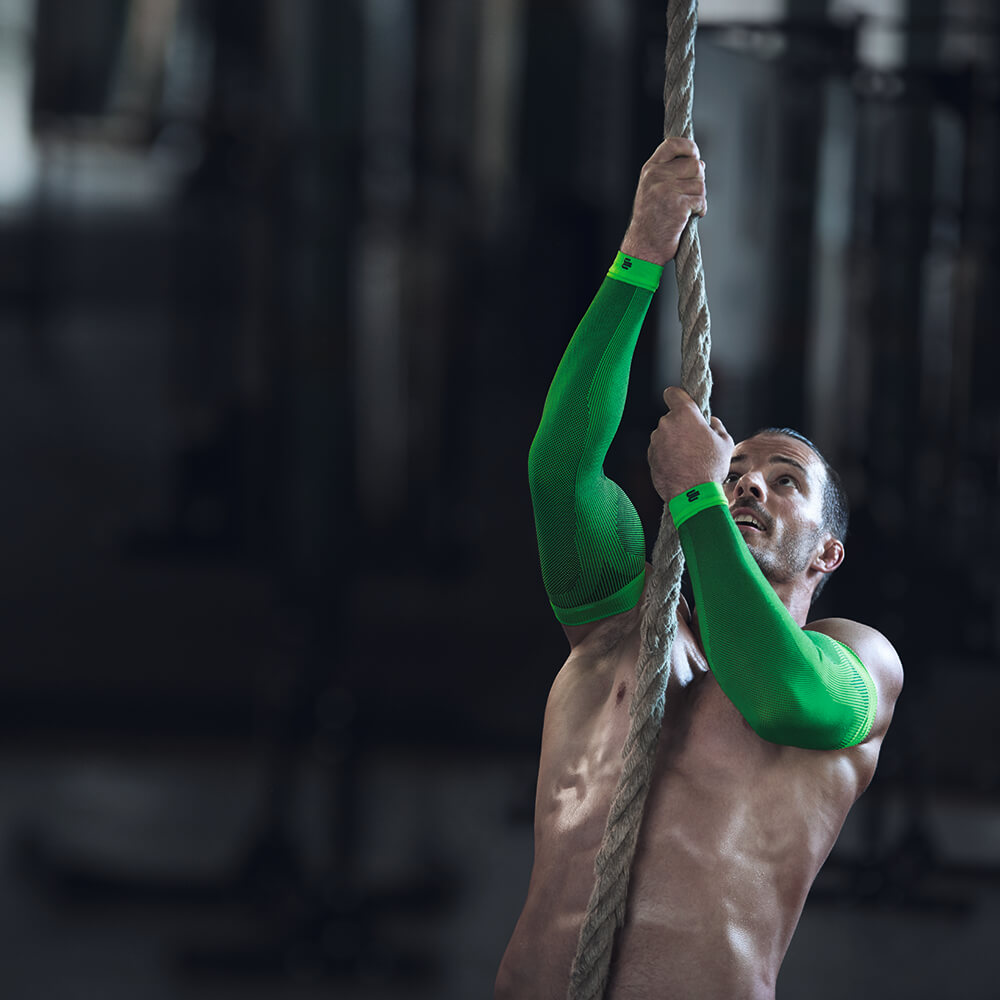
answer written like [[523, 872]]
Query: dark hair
[[836, 509]]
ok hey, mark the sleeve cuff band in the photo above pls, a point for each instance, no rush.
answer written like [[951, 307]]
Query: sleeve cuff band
[[622, 600], [636, 272], [686, 505]]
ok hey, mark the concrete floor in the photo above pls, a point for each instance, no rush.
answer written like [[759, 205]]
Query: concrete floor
[[184, 816], [179, 821]]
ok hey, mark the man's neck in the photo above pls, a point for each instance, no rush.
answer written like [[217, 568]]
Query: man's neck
[[796, 599]]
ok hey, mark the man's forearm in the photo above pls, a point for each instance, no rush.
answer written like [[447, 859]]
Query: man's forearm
[[793, 686]]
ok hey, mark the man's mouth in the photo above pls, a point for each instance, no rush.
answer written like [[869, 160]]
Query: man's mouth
[[744, 518]]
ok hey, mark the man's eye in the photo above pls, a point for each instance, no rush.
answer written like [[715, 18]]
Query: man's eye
[[730, 478], [787, 481]]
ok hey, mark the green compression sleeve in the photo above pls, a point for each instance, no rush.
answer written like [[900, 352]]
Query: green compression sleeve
[[793, 686], [590, 539]]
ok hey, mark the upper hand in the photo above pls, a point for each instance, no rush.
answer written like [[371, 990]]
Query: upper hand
[[671, 189], [685, 450]]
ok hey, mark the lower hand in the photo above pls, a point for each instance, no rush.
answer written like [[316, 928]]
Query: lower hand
[[685, 449]]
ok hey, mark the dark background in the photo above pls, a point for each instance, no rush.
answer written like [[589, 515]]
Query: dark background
[[282, 287]]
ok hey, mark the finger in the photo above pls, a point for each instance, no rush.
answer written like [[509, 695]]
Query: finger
[[678, 174], [674, 396], [697, 206], [685, 168], [674, 146], [692, 186], [720, 428]]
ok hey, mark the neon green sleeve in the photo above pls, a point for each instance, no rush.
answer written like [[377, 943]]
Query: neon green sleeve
[[590, 539], [793, 686]]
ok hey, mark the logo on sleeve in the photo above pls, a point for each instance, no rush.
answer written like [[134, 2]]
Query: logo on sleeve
[[626, 263], [692, 495]]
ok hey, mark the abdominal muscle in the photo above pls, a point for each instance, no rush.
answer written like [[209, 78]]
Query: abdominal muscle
[[733, 834]]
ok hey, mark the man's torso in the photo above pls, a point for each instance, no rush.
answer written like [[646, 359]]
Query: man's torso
[[734, 831]]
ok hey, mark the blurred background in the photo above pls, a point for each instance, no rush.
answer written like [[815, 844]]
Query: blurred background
[[282, 287]]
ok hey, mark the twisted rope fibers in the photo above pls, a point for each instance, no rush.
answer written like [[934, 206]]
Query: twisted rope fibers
[[606, 908]]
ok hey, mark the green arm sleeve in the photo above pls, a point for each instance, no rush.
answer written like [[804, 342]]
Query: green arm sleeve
[[793, 686], [590, 539]]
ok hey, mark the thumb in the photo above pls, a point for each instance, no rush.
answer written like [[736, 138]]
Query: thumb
[[674, 396], [720, 428]]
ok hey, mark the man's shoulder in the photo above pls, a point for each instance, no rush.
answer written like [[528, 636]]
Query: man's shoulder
[[867, 642], [878, 655]]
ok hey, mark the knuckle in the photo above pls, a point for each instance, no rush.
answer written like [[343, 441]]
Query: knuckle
[[652, 174]]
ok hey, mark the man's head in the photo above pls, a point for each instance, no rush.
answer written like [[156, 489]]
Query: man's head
[[793, 506]]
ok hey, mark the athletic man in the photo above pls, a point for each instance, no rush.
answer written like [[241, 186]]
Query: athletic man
[[772, 728]]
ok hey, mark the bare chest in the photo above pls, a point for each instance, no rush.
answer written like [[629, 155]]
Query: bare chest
[[723, 805], [587, 720], [733, 831]]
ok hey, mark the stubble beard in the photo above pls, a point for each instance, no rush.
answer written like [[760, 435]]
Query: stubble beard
[[786, 561]]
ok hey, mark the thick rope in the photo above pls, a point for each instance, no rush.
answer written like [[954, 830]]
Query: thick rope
[[606, 909]]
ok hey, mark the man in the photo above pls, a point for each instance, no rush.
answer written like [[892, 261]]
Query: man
[[771, 730]]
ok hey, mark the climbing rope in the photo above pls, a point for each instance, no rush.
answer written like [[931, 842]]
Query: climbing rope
[[606, 909]]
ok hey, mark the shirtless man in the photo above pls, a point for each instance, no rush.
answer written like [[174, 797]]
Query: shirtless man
[[772, 728]]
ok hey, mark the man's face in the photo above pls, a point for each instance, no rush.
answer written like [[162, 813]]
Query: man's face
[[778, 482]]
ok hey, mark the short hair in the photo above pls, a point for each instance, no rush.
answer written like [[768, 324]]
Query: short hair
[[836, 507]]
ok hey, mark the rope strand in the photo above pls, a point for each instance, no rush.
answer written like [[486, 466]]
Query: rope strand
[[606, 909]]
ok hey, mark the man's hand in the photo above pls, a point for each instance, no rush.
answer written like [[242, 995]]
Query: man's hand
[[685, 450], [671, 189]]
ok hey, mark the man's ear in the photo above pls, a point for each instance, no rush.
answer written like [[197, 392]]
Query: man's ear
[[830, 556]]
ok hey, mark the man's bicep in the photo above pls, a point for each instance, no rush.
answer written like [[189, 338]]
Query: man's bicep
[[608, 629], [592, 550], [879, 658]]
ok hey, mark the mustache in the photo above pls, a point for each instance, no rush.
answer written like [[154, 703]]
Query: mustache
[[754, 508]]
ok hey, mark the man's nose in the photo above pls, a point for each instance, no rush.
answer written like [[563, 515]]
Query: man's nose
[[750, 484]]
